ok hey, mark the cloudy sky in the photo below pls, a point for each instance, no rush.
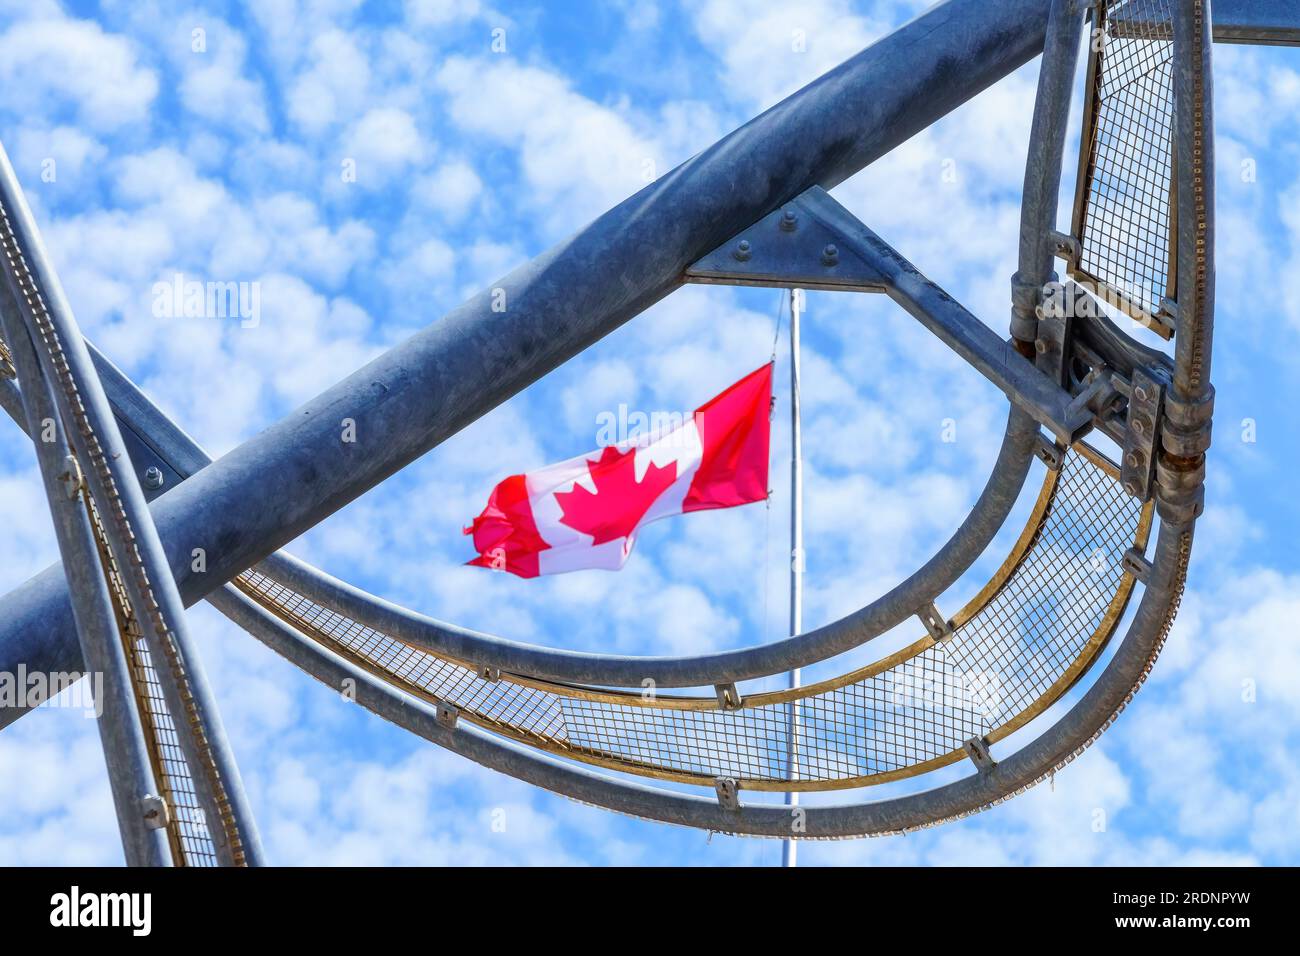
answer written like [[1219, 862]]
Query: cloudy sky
[[218, 141]]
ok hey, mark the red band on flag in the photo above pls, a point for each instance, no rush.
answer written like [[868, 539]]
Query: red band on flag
[[735, 430]]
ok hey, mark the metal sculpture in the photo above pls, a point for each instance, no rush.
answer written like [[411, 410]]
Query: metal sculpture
[[752, 210]]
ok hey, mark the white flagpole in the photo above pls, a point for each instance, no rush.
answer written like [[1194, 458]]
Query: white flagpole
[[788, 847]]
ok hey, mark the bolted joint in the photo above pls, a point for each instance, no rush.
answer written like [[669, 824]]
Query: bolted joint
[[977, 748], [728, 793], [447, 715], [153, 478], [1066, 247], [1049, 452], [1135, 563], [938, 626], [154, 809], [728, 697]]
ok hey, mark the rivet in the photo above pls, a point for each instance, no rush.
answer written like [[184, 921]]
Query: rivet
[[789, 220], [742, 252], [830, 255]]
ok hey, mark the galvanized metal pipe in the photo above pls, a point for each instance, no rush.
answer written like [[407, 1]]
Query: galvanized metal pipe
[[1054, 748], [129, 528], [1266, 22], [126, 755]]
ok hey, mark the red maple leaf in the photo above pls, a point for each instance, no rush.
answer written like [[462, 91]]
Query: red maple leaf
[[620, 501]]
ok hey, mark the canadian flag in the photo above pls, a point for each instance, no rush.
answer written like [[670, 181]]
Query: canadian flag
[[585, 512]]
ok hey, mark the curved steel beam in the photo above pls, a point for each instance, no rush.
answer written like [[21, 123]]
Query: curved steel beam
[[1057, 746]]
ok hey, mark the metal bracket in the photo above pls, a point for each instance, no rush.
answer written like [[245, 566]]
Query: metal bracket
[[728, 793], [728, 697], [72, 480], [156, 814], [1053, 345], [1141, 442], [938, 626], [1067, 247], [448, 715], [797, 246], [977, 748], [489, 674], [1136, 564], [1049, 452]]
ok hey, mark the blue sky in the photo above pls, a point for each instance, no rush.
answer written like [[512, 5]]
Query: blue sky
[[225, 164]]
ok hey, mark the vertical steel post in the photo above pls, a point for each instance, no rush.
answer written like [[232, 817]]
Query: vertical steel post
[[789, 849]]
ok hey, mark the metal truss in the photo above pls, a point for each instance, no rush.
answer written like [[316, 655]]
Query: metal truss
[[752, 210]]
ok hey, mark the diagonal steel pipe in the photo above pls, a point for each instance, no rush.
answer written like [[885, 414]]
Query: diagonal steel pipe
[[294, 474]]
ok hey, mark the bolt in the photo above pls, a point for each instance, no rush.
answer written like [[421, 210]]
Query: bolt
[[830, 255], [1041, 346], [153, 477], [789, 220], [742, 252], [1131, 487], [1134, 459], [1140, 393]]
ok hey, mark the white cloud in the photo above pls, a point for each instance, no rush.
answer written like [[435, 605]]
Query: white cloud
[[75, 63]]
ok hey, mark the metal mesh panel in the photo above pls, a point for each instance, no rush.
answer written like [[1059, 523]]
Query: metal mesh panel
[[1124, 214], [1019, 650], [187, 829]]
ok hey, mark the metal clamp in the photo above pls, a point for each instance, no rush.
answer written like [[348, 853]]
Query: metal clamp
[[448, 715], [728, 697], [1066, 247], [938, 626], [489, 674], [1049, 452], [977, 748], [72, 480], [1141, 442], [1136, 564], [728, 793], [156, 814]]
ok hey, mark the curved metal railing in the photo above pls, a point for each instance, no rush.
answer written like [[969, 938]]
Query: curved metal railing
[[1013, 650]]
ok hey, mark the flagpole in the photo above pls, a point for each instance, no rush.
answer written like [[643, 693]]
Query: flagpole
[[788, 847]]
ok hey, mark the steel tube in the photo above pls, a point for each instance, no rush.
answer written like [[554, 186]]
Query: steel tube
[[297, 472], [164, 445], [1048, 752], [67, 366], [126, 755], [1267, 22]]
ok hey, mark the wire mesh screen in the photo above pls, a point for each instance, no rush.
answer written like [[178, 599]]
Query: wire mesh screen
[[1018, 651], [1124, 217], [187, 829]]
